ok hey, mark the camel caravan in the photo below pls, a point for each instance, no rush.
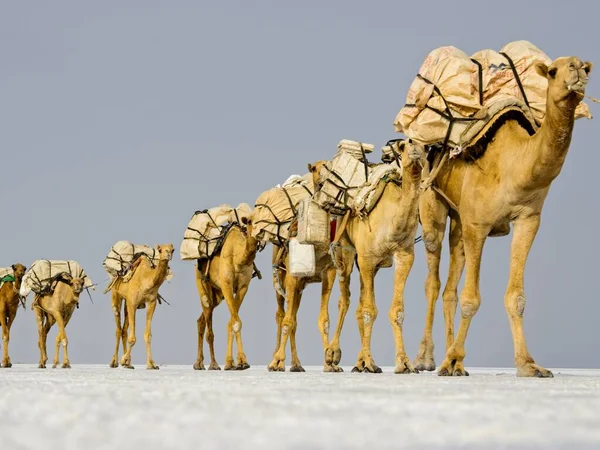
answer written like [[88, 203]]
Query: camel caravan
[[484, 138]]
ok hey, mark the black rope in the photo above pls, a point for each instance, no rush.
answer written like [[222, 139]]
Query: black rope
[[480, 76], [516, 75]]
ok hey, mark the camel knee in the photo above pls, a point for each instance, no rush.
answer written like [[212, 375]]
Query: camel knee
[[5, 336], [148, 337], [119, 332], [131, 340], [450, 297], [323, 324], [515, 304], [369, 314], [210, 336], [236, 325], [279, 315], [288, 326], [432, 241], [469, 306], [396, 317]]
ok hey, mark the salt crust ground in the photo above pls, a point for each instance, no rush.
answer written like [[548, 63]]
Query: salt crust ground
[[94, 407]]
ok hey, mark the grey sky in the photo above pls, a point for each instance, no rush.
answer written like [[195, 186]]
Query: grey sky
[[118, 122]]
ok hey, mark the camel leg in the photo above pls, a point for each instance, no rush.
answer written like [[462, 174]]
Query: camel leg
[[323, 321], [457, 264], [210, 337], [42, 333], [125, 327], [369, 315], [116, 306], [279, 315], [199, 364], [525, 230], [295, 366], [433, 214], [237, 328], [333, 354], [291, 289], [150, 364], [403, 261], [5, 339], [360, 361], [470, 300], [126, 358], [61, 338]]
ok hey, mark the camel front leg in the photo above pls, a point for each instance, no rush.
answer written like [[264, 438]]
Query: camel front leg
[[403, 261], [470, 300], [323, 321], [126, 358], [201, 322], [116, 306], [291, 289], [151, 307], [525, 230], [210, 337], [296, 366], [365, 360], [61, 339], [433, 213], [42, 333], [5, 339], [237, 328], [457, 264], [279, 315], [333, 354]]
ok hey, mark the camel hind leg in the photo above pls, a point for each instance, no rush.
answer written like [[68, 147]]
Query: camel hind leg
[[291, 289], [323, 322], [126, 358], [433, 214], [237, 327], [201, 322], [117, 303], [5, 339], [210, 336]]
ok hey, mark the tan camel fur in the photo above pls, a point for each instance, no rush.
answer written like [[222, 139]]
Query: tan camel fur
[[285, 317], [57, 307], [509, 182], [388, 232], [229, 275], [141, 291], [9, 303]]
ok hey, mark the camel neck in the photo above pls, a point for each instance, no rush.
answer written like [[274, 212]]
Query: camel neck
[[547, 149], [249, 249], [161, 271]]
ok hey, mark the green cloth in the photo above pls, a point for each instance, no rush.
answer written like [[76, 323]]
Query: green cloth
[[7, 278]]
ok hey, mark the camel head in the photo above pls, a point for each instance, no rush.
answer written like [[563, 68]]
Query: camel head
[[165, 251], [315, 169], [247, 222], [76, 283], [567, 78], [19, 270], [412, 156]]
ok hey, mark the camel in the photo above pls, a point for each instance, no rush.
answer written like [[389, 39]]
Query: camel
[[507, 182], [57, 306], [386, 234], [139, 292], [9, 303], [229, 274], [293, 287]]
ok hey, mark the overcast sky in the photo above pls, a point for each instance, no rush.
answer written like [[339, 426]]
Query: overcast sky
[[119, 121]]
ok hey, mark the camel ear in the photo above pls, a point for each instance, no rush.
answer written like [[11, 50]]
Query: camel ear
[[311, 168], [14, 267], [246, 220], [158, 247], [587, 66], [541, 69]]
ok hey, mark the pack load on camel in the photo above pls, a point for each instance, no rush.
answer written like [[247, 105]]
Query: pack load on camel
[[350, 183], [455, 99], [207, 229], [43, 275], [276, 209], [122, 259], [6, 274]]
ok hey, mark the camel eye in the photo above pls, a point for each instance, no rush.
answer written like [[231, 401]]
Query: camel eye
[[552, 72]]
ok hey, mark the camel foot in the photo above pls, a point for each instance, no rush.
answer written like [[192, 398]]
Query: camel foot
[[229, 366], [297, 368], [424, 363], [199, 366], [452, 369], [6, 365], [332, 369], [277, 365], [333, 356], [152, 367], [214, 366], [404, 368], [242, 366], [66, 365], [373, 369], [358, 369], [533, 370], [42, 366], [113, 364], [128, 366]]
